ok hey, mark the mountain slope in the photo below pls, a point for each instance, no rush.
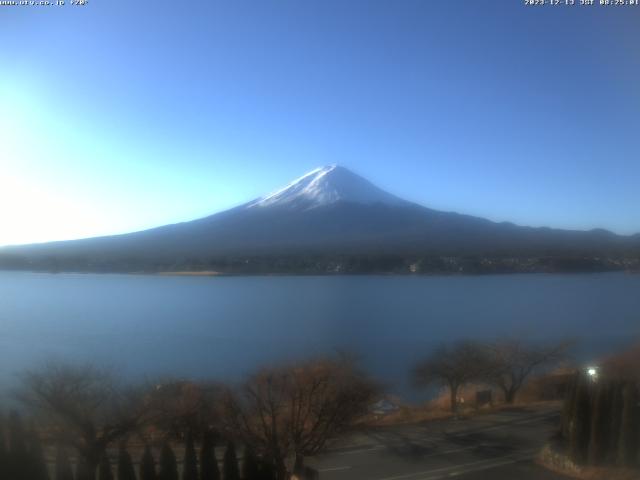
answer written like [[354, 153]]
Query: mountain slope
[[330, 211]]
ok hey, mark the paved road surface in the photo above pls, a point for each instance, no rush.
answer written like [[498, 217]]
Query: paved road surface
[[497, 446]]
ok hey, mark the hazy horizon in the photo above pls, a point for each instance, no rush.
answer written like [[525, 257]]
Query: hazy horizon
[[249, 202]]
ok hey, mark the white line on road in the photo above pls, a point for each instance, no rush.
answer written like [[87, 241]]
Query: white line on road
[[333, 469], [437, 437], [429, 455], [464, 468], [361, 450], [499, 426], [486, 466], [471, 470]]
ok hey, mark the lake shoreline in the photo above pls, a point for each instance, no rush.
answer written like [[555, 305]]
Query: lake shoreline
[[214, 273]]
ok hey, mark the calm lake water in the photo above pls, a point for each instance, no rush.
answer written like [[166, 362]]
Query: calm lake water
[[222, 327]]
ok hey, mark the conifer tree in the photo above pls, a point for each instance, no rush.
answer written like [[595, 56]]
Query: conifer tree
[[37, 462], [18, 462], [190, 468], [208, 462], [580, 423], [568, 406], [104, 468], [230, 465], [84, 471], [600, 422], [3, 450], [147, 465], [63, 470], [125, 465], [168, 464], [266, 470], [628, 443], [250, 469], [617, 403]]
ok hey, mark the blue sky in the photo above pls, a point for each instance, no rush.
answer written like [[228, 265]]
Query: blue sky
[[120, 115]]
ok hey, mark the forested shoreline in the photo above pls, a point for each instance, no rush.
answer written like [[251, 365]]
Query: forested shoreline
[[326, 264]]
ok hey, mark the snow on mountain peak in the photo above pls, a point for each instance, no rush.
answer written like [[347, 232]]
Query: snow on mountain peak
[[325, 186]]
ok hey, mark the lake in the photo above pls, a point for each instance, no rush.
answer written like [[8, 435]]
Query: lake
[[223, 327]]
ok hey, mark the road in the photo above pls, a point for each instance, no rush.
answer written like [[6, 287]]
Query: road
[[495, 446]]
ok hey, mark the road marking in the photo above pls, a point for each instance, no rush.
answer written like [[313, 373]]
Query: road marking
[[333, 469], [447, 452], [429, 455], [496, 427], [488, 466], [442, 438], [362, 450], [438, 437], [386, 447], [429, 474]]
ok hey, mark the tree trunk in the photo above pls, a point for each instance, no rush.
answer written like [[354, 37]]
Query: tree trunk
[[86, 469], [629, 434], [281, 470], [581, 423], [298, 467], [454, 398], [600, 415], [509, 395], [568, 407], [90, 459]]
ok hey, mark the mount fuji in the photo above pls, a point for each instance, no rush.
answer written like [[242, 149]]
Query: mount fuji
[[325, 186], [329, 213]]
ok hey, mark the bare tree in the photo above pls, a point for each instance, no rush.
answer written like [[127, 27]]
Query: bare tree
[[180, 407], [512, 361], [83, 407], [291, 412], [624, 365], [453, 367]]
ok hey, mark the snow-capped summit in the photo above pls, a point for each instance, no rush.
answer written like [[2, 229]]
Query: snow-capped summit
[[325, 186]]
